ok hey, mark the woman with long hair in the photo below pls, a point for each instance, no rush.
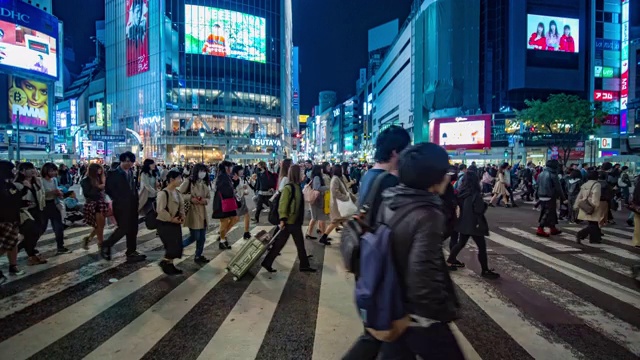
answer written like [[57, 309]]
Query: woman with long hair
[[553, 39], [291, 214], [340, 192], [11, 200], [51, 211], [170, 208], [537, 40], [195, 190], [317, 207], [149, 182], [472, 223], [242, 190], [500, 188], [224, 191], [283, 176], [96, 209], [31, 211]]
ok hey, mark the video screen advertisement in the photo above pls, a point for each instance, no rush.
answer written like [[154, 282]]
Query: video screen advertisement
[[224, 33], [137, 33], [28, 99], [553, 33], [28, 39], [464, 132]]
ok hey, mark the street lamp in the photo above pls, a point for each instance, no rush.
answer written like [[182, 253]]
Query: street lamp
[[202, 132]]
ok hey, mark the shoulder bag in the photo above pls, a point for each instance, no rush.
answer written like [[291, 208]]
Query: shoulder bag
[[585, 205]]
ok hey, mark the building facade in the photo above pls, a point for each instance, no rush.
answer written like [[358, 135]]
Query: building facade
[[201, 81]]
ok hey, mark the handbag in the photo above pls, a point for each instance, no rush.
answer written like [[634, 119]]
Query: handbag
[[585, 205], [310, 195], [327, 203], [228, 205], [187, 203], [346, 208], [151, 219]]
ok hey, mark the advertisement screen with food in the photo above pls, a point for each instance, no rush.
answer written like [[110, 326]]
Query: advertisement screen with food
[[225, 33], [462, 133], [28, 100], [552, 33], [27, 49]]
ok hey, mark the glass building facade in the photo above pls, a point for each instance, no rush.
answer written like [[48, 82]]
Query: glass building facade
[[209, 77]]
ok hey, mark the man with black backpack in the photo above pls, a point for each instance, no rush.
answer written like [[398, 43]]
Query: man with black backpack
[[265, 187], [389, 144]]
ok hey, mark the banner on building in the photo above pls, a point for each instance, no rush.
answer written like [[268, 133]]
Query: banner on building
[[30, 100], [137, 33]]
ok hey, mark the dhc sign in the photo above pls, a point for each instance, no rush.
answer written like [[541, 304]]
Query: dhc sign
[[15, 16], [266, 142]]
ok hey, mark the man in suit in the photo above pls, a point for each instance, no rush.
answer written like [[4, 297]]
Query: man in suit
[[122, 189]]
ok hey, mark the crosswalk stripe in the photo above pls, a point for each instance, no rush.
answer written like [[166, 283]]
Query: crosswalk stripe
[[620, 232], [22, 300], [543, 241], [146, 330], [604, 263], [37, 337], [597, 282], [252, 313], [68, 232], [600, 320], [614, 239], [606, 248], [336, 309], [467, 349], [522, 330]]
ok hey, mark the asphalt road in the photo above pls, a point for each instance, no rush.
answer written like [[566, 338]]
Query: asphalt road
[[555, 300]]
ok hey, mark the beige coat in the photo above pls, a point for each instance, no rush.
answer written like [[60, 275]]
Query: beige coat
[[338, 191], [197, 215], [591, 191], [175, 206]]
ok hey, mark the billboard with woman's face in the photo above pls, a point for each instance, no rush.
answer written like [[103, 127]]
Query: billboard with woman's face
[[553, 33], [28, 99]]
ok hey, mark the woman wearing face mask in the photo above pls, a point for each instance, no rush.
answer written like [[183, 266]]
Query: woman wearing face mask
[[11, 198], [242, 190], [195, 190], [51, 212], [224, 192], [31, 212], [170, 208], [149, 180]]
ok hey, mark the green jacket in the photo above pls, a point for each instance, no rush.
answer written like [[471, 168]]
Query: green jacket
[[294, 213]]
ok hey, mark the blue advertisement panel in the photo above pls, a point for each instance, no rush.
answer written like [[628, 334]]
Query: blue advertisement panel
[[28, 38]]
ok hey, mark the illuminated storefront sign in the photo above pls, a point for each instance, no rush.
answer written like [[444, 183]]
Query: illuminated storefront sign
[[149, 120], [603, 95], [607, 72], [597, 71], [108, 115], [624, 67], [73, 105], [99, 114], [266, 142]]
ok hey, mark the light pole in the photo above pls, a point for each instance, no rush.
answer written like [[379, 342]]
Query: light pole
[[10, 149], [202, 132]]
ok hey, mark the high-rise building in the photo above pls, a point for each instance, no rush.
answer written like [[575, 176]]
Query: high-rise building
[[201, 80]]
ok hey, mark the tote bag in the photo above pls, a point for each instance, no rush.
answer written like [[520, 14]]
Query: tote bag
[[346, 208]]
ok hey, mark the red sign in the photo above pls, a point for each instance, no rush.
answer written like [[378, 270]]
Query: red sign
[[471, 132], [137, 34], [603, 95], [611, 120]]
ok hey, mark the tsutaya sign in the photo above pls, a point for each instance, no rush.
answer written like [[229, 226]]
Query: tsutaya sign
[[266, 142]]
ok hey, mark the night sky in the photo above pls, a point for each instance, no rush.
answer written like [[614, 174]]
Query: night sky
[[331, 34]]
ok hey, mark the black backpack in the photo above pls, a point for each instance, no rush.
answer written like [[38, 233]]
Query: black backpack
[[362, 223], [274, 216], [151, 219]]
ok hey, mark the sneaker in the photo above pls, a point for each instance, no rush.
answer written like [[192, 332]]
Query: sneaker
[[226, 244], [456, 263], [555, 231], [630, 222], [85, 243], [309, 237], [489, 274], [201, 260], [13, 270], [135, 256], [542, 233], [268, 268], [3, 278], [307, 269], [168, 268], [222, 245], [247, 235], [35, 260], [63, 250], [105, 253]]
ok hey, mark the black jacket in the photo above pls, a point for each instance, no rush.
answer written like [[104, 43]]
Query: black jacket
[[119, 190], [224, 190], [472, 208], [449, 203], [266, 181], [11, 200], [417, 251], [90, 192], [549, 185]]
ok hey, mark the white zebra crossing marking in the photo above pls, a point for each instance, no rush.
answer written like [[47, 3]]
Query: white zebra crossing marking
[[39, 336], [543, 241], [139, 336], [614, 239], [336, 309], [606, 248], [523, 331], [597, 282], [252, 313]]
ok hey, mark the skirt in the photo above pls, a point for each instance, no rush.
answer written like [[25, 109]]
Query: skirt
[[9, 233], [243, 209], [92, 208]]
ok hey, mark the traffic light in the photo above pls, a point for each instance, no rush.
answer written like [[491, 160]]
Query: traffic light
[[506, 154], [47, 149]]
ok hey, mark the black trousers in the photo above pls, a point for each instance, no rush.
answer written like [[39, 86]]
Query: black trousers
[[548, 214], [434, 342], [52, 213], [298, 238], [365, 348], [127, 218], [262, 200], [480, 241], [30, 229], [171, 237], [592, 230]]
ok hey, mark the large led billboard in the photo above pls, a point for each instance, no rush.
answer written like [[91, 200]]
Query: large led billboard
[[463, 132], [553, 33], [28, 38], [225, 33], [137, 34], [29, 100]]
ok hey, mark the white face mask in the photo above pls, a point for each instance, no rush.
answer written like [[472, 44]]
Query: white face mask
[[201, 175]]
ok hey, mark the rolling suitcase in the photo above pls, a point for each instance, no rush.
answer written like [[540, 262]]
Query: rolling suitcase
[[250, 253]]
